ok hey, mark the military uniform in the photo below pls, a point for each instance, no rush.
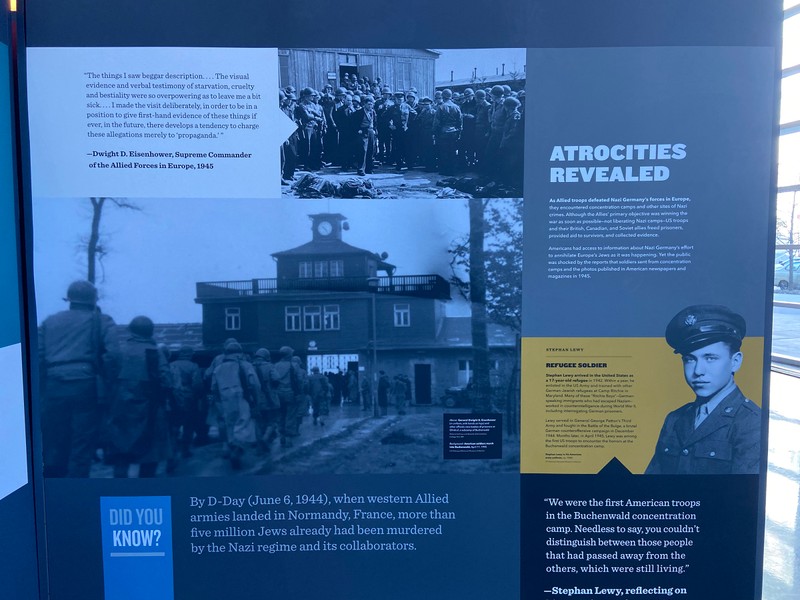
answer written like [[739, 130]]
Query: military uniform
[[138, 417], [77, 349], [720, 432], [235, 387], [447, 125], [728, 441]]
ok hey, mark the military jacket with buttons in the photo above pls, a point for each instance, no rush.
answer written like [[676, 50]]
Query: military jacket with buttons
[[728, 441]]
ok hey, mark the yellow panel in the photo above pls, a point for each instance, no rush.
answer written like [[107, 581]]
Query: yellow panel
[[588, 400]]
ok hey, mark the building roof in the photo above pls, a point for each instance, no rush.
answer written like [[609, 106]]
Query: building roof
[[323, 247], [332, 247]]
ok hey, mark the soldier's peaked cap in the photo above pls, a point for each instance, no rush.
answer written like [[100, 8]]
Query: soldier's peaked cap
[[699, 325]]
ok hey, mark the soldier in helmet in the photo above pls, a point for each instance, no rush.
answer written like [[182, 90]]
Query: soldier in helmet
[[497, 124], [482, 125], [78, 361], [424, 123], [287, 383], [236, 389], [720, 431], [188, 393], [320, 391], [469, 110], [447, 125], [138, 417]]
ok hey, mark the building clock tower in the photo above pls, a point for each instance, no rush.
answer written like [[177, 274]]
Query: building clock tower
[[327, 226]]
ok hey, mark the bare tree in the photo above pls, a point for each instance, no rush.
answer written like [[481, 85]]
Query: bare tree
[[492, 256], [95, 247]]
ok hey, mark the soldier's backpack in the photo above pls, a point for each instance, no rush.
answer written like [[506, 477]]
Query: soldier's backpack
[[182, 387]]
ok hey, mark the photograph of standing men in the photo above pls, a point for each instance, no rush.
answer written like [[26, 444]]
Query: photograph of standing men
[[720, 431], [410, 120]]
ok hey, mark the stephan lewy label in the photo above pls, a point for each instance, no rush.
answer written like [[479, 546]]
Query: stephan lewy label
[[137, 547]]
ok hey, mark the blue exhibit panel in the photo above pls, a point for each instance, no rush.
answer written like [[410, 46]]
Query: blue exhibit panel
[[359, 537]]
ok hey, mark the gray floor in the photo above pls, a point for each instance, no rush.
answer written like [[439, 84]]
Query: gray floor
[[782, 536]]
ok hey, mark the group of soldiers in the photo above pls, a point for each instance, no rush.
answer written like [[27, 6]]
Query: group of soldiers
[[363, 123], [125, 397]]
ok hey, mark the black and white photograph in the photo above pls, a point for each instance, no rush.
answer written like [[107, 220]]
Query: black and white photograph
[[403, 122], [719, 432], [219, 337]]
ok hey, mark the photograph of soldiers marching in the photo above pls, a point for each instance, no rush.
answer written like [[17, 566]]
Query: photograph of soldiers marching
[[217, 337], [403, 122]]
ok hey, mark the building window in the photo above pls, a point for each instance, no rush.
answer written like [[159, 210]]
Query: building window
[[402, 315], [321, 269], [292, 320], [331, 317], [306, 269], [337, 268], [312, 318], [233, 319], [283, 62]]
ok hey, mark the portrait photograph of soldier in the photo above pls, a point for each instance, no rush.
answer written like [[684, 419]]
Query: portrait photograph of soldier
[[719, 432], [324, 336], [398, 123]]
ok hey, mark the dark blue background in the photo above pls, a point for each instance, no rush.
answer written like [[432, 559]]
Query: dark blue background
[[722, 561], [476, 557], [407, 24], [716, 101]]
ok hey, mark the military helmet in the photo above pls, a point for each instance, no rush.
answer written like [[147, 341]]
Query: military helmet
[[262, 353], [286, 351], [480, 94], [306, 91], [82, 292], [233, 348], [447, 94], [141, 326], [497, 90]]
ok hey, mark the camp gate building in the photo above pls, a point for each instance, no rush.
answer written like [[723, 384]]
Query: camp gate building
[[399, 68], [322, 304]]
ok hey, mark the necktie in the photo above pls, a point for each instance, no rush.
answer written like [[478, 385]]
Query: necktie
[[702, 413]]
